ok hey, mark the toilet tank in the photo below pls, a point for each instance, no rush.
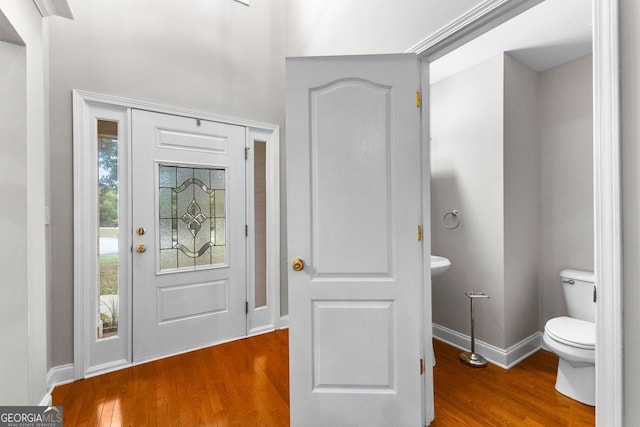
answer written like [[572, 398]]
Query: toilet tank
[[577, 287]]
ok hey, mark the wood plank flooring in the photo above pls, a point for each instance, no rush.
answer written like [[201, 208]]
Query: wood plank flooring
[[241, 383], [246, 383], [521, 396]]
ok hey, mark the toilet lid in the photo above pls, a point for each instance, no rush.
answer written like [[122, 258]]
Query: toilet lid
[[573, 332]]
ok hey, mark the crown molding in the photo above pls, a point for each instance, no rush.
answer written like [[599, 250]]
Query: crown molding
[[54, 8], [486, 15]]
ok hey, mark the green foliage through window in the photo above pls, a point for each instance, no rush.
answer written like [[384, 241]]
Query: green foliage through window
[[108, 182]]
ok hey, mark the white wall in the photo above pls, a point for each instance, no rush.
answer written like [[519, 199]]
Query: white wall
[[338, 27], [214, 56], [566, 202], [466, 174], [630, 90], [22, 255], [13, 253]]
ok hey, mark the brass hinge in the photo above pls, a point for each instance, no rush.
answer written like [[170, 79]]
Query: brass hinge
[[419, 233], [246, 153], [418, 99], [421, 366], [246, 307]]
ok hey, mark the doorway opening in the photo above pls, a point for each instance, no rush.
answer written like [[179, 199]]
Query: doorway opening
[[607, 185]]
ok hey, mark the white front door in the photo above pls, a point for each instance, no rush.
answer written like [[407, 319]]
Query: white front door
[[353, 209], [189, 254]]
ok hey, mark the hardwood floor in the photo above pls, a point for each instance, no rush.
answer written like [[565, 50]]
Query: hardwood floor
[[241, 383], [246, 383], [521, 396]]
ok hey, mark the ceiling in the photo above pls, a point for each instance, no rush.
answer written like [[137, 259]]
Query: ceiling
[[547, 35]]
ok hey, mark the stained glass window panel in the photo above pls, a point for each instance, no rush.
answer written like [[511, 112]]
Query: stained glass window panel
[[192, 217]]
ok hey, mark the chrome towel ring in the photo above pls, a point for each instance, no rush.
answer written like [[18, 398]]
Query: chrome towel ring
[[454, 220]]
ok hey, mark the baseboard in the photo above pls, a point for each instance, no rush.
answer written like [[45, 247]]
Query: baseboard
[[56, 376], [284, 321], [260, 330], [504, 358], [46, 400], [525, 348]]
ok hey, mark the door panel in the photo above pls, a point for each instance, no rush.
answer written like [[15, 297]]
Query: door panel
[[189, 260], [367, 367], [334, 109], [354, 203]]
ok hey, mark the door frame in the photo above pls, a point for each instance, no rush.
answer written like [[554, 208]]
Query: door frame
[[607, 175], [85, 104]]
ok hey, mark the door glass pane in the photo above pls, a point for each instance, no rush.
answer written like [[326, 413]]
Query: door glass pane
[[260, 224], [109, 232], [192, 220]]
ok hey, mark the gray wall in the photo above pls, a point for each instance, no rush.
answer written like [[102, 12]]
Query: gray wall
[[521, 201], [543, 197], [566, 200], [466, 174], [630, 89]]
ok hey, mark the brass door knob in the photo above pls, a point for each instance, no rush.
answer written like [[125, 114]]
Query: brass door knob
[[297, 265], [141, 248]]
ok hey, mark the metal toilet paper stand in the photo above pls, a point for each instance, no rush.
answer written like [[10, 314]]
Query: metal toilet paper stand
[[472, 358]]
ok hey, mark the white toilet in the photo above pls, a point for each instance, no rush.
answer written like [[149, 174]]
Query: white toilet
[[573, 338]]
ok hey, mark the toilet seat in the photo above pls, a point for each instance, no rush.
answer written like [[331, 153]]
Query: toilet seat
[[572, 332]]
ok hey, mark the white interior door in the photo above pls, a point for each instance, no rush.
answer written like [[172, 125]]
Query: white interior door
[[354, 205], [189, 251]]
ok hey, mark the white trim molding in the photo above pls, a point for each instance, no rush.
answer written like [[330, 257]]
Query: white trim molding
[[506, 359], [56, 376], [54, 8], [284, 322], [265, 318], [608, 213]]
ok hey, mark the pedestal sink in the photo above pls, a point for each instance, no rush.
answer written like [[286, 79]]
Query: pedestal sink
[[439, 265]]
